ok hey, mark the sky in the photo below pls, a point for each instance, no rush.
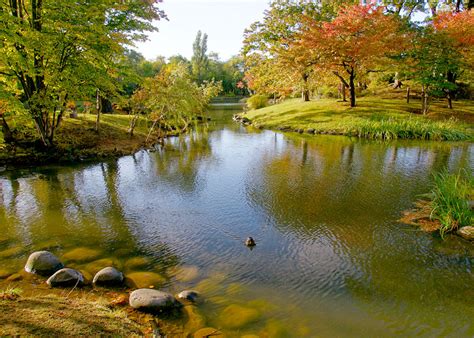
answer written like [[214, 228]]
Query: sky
[[224, 21]]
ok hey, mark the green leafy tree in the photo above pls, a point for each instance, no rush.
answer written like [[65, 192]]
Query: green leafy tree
[[200, 59], [172, 97], [61, 50], [272, 39]]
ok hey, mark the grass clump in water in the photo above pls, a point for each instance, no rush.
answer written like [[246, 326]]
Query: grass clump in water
[[10, 293], [451, 197]]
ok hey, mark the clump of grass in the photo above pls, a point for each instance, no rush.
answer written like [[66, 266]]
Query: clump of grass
[[451, 197], [10, 293], [408, 128]]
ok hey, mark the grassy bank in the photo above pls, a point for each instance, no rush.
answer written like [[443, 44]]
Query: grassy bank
[[29, 308], [373, 118], [76, 140], [52, 315]]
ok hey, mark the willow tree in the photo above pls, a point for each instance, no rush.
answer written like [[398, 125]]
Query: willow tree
[[172, 98], [61, 50]]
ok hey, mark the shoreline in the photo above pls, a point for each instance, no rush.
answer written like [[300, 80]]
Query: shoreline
[[373, 119], [78, 142]]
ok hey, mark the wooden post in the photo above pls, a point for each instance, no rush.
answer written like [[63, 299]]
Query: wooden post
[[408, 94]]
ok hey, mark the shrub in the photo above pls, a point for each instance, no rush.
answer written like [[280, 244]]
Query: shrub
[[257, 102]]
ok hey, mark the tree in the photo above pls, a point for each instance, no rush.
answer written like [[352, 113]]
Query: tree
[[61, 50], [200, 60], [172, 96], [272, 39], [440, 53], [359, 38], [459, 28]]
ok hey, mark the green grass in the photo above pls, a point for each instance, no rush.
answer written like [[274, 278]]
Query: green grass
[[450, 200], [373, 118], [52, 315]]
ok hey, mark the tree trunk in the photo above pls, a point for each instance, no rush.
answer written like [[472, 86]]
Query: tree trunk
[[408, 94], [451, 77], [151, 130], [99, 109], [352, 88], [342, 91], [133, 123], [305, 93], [458, 6], [424, 100], [450, 100], [40, 127], [7, 133]]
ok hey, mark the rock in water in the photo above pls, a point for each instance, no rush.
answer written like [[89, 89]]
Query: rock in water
[[466, 232], [66, 277], [108, 276], [152, 300], [43, 263], [188, 295]]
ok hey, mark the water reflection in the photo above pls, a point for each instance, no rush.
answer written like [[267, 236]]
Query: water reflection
[[330, 260]]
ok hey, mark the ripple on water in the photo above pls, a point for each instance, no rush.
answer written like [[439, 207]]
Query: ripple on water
[[330, 258]]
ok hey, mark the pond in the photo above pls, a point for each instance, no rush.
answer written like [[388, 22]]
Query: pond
[[331, 258]]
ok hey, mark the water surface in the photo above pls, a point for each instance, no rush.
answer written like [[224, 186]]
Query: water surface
[[331, 258]]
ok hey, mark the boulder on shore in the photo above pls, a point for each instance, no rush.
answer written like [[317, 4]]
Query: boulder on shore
[[466, 232], [108, 276], [150, 300], [66, 277], [43, 263]]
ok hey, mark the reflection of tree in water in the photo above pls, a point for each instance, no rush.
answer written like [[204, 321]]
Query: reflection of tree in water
[[409, 284], [179, 160], [351, 194], [119, 227], [75, 207], [345, 188]]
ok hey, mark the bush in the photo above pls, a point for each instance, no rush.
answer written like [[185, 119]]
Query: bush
[[257, 102], [329, 92], [450, 200]]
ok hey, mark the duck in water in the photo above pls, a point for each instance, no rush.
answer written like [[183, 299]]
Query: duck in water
[[250, 242]]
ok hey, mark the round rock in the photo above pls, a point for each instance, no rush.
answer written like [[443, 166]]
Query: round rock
[[152, 300], [66, 277], [43, 263], [108, 276], [466, 232], [188, 295]]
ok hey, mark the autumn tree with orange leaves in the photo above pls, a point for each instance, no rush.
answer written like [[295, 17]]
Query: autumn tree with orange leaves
[[360, 38]]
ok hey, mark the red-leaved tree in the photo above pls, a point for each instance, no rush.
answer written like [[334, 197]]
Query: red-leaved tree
[[357, 40]]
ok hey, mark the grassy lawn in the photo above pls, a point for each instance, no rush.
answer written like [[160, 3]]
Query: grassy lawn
[[374, 117]]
